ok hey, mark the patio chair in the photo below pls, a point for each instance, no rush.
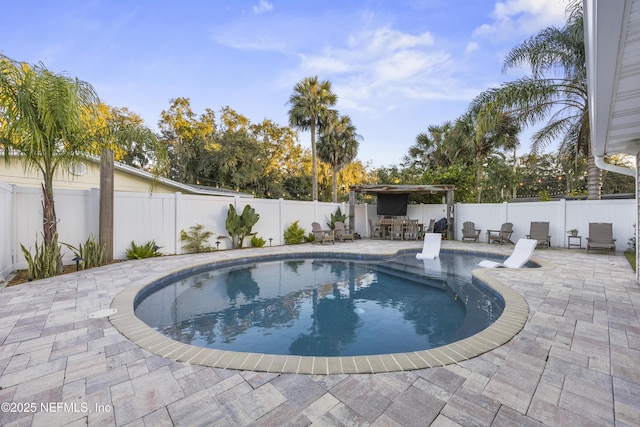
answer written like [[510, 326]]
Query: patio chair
[[501, 236], [601, 236], [432, 223], [412, 230], [540, 231], [397, 229], [376, 230], [341, 233], [321, 236], [431, 246], [469, 232], [519, 257]]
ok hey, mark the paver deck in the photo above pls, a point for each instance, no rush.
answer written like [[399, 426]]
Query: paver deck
[[575, 362]]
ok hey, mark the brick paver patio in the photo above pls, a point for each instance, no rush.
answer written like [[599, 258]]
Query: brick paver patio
[[575, 362]]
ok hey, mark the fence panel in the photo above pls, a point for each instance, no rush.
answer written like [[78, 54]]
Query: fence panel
[[621, 213], [142, 217], [486, 216], [522, 215], [268, 226], [211, 212]]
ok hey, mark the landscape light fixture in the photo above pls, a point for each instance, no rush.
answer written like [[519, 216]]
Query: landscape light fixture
[[77, 259]]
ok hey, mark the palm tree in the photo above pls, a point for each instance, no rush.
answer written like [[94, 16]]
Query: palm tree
[[560, 97], [310, 110], [41, 118], [338, 146], [434, 148], [482, 134]]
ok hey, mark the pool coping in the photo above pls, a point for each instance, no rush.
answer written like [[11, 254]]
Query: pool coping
[[512, 320]]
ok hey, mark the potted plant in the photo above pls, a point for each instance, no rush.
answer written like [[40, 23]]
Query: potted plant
[[572, 232]]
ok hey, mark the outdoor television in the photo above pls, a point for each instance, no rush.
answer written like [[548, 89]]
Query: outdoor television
[[392, 204]]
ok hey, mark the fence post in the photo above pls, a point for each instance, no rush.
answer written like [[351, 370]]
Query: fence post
[[14, 227], [562, 216], [505, 205], [280, 221], [176, 226]]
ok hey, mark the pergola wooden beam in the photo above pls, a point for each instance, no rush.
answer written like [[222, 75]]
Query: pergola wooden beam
[[411, 189]]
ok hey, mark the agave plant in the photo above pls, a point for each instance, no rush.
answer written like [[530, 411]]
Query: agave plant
[[148, 250]]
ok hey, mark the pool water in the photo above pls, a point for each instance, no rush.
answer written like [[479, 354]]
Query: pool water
[[325, 307]]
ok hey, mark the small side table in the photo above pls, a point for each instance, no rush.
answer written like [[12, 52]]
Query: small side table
[[571, 244]]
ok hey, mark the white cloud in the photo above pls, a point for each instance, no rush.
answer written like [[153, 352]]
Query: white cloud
[[523, 17], [376, 69], [263, 7], [471, 47], [388, 40]]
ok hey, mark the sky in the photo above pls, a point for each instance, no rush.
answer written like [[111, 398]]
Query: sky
[[396, 67]]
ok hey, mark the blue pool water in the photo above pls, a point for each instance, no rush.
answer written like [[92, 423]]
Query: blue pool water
[[325, 307]]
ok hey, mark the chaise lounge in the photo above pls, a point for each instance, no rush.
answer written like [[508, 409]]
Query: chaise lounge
[[519, 257], [601, 236]]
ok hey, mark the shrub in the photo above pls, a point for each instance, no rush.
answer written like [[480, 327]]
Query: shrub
[[196, 239], [293, 234], [148, 250], [337, 217], [544, 196], [257, 242], [239, 226], [310, 238], [45, 261], [92, 254]]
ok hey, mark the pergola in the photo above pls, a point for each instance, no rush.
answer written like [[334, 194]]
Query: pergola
[[401, 189]]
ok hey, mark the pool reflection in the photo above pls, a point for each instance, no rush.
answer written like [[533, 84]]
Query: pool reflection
[[320, 307]]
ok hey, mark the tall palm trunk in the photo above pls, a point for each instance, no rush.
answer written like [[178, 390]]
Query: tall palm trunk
[[334, 185], [49, 221], [479, 174], [106, 203], [314, 160]]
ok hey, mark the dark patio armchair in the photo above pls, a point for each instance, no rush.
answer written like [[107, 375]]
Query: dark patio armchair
[[320, 235], [469, 232], [341, 233], [540, 231], [501, 236]]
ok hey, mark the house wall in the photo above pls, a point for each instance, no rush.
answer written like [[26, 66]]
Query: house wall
[[14, 173], [637, 212]]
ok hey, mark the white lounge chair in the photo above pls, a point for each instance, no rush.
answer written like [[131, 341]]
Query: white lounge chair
[[431, 246], [521, 254]]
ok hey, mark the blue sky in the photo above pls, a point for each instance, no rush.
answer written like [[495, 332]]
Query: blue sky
[[396, 66]]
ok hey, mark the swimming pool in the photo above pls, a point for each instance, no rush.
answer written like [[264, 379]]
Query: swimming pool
[[325, 306], [501, 331]]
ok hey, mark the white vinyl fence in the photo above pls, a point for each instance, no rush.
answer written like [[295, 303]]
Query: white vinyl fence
[[561, 215], [6, 229], [142, 217]]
